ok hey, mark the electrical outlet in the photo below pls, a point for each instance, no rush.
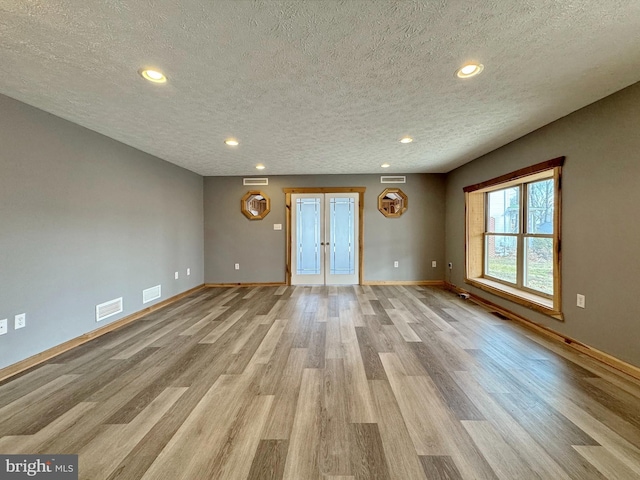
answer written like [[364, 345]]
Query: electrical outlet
[[177, 276], [20, 321], [580, 301], [277, 226], [434, 264], [237, 266], [3, 326], [188, 272], [395, 264], [450, 265]]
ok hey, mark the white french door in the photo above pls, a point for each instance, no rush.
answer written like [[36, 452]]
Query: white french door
[[324, 239]]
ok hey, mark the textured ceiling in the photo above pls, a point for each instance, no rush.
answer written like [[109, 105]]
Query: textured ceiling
[[319, 86]]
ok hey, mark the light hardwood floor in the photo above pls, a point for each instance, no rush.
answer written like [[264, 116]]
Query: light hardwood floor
[[328, 383]]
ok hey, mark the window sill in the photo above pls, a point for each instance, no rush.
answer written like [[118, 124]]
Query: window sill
[[529, 300]]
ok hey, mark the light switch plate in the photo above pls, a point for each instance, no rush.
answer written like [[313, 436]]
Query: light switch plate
[[434, 264], [3, 326], [277, 226]]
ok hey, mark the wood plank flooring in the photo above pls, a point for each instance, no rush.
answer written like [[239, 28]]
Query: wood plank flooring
[[321, 383]]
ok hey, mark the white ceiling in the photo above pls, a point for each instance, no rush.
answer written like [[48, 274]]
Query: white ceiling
[[321, 86]]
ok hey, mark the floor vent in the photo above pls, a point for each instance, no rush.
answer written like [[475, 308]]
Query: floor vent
[[500, 316], [108, 309], [255, 181], [392, 179], [151, 294]]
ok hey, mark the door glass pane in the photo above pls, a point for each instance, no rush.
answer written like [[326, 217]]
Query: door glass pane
[[342, 256], [501, 253], [503, 208], [540, 203], [538, 269], [308, 236]]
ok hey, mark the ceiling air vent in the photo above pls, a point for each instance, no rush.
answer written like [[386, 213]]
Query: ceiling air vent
[[151, 293], [393, 179], [107, 309], [255, 181]]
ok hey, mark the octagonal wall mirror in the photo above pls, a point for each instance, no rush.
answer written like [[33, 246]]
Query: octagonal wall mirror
[[392, 202], [255, 205]]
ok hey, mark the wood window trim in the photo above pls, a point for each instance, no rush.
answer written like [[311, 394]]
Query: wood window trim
[[517, 175], [386, 211], [245, 210], [522, 297], [475, 230]]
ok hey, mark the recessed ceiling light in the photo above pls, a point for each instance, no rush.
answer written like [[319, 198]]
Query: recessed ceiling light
[[153, 75], [470, 70], [406, 140], [232, 142], [260, 166], [385, 165]]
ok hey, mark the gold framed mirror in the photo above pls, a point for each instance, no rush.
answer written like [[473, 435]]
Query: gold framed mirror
[[392, 202], [255, 205]]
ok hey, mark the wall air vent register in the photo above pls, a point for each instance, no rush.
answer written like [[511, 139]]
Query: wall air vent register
[[393, 179], [255, 181], [108, 309], [151, 294]]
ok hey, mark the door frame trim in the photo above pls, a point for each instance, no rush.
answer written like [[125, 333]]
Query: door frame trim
[[287, 196]]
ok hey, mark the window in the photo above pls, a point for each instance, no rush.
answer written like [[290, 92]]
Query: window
[[513, 236]]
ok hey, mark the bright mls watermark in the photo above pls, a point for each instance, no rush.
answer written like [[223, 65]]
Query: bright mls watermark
[[51, 467]]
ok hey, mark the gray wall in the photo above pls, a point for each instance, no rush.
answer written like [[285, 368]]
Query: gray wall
[[85, 219], [600, 228], [414, 239]]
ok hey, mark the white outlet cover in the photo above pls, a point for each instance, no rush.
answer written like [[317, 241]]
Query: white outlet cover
[[277, 226], [395, 264], [3, 326], [580, 301], [237, 266], [20, 321], [188, 271], [434, 264], [177, 275]]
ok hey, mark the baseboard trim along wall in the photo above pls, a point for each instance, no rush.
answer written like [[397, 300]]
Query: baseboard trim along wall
[[41, 357], [592, 352], [430, 283], [425, 283], [240, 284]]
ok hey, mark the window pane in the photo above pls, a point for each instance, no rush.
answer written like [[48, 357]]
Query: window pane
[[501, 257], [308, 236], [538, 269], [503, 210], [342, 256], [540, 203]]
